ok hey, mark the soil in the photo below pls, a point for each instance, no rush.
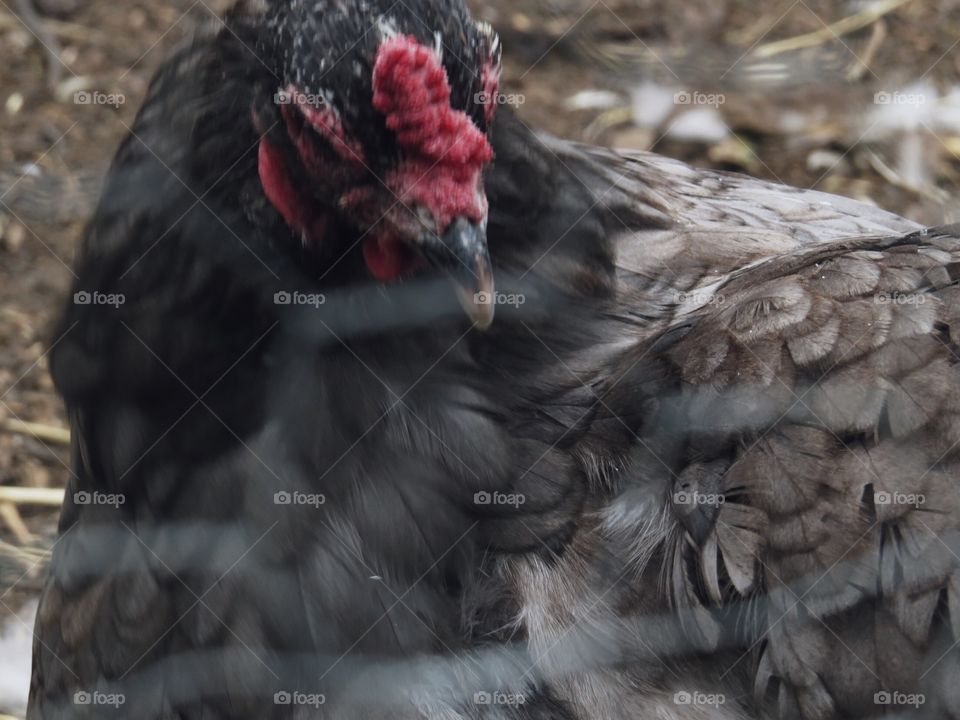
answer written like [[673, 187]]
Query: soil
[[53, 151]]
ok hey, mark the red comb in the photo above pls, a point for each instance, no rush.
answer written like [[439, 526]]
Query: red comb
[[410, 89]]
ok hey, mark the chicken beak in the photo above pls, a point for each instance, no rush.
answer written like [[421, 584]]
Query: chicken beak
[[462, 253]]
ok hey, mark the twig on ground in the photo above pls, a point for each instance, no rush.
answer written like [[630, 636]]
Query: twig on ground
[[36, 25], [50, 433], [49, 497], [71, 31], [937, 195], [845, 26], [861, 65]]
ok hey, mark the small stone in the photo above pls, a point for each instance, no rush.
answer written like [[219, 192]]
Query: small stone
[[14, 103], [822, 160], [521, 22], [137, 19], [13, 237], [70, 55]]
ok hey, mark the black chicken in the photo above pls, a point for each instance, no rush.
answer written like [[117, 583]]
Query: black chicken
[[702, 464]]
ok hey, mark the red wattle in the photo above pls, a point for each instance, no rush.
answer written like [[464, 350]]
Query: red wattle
[[299, 213], [388, 258]]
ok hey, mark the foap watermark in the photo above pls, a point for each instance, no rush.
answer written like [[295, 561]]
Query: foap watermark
[[101, 699], [499, 98], [499, 498], [299, 298], [895, 697], [83, 497], [296, 497], [884, 97], [295, 97], [85, 297], [695, 97], [96, 97], [685, 697], [694, 497], [295, 697], [899, 298], [499, 298], [700, 297], [882, 497], [498, 697]]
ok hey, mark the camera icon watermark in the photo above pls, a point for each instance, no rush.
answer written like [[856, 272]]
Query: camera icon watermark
[[283, 297], [86, 297], [694, 497], [499, 98], [686, 697], [499, 298], [95, 97], [899, 298], [883, 497], [498, 697], [84, 497], [895, 697], [498, 498], [95, 697], [695, 97], [295, 697], [284, 497], [884, 97], [700, 297], [291, 96]]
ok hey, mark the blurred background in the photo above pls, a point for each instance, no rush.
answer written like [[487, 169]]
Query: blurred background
[[860, 98]]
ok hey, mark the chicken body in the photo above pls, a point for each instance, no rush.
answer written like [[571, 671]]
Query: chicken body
[[702, 465]]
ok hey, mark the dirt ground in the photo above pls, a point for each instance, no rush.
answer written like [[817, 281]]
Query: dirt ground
[[53, 151], [856, 98]]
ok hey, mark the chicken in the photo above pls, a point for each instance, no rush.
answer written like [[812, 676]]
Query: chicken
[[691, 451]]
